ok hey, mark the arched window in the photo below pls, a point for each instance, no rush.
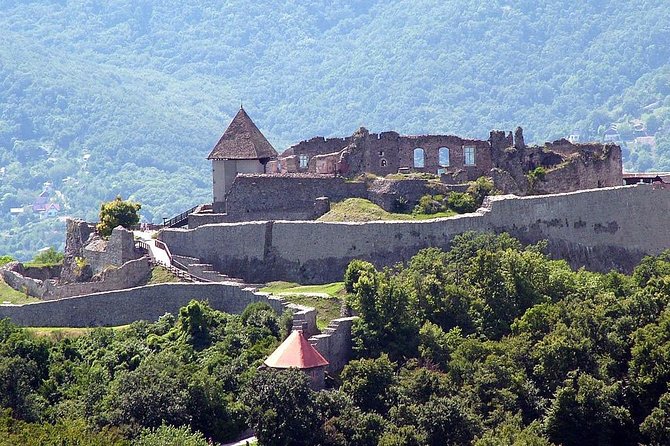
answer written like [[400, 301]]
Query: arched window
[[443, 155], [304, 161], [383, 162], [419, 158]]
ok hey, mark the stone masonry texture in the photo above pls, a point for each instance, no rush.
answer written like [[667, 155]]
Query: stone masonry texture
[[601, 229]]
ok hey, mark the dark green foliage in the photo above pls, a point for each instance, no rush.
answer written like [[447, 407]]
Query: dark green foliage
[[117, 213], [501, 345], [65, 432], [185, 372], [536, 175], [428, 204], [588, 411], [461, 202], [354, 271], [656, 427], [48, 257], [368, 382], [480, 188], [282, 409], [170, 436]]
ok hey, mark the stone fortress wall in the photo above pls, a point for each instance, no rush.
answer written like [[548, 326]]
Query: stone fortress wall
[[150, 302], [602, 229], [130, 274]]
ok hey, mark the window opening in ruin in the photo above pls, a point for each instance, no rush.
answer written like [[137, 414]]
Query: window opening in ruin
[[381, 153], [469, 156], [419, 157], [441, 171], [304, 159], [383, 162], [443, 155]]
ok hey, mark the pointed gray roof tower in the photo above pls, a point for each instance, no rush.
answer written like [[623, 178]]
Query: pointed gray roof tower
[[242, 141]]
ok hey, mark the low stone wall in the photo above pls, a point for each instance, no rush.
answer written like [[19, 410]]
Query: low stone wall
[[386, 192], [42, 272], [195, 220], [146, 303], [335, 343], [285, 197], [601, 229], [128, 275]]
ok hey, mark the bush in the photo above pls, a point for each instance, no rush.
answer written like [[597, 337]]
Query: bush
[[48, 257], [428, 205], [170, 436], [353, 272], [461, 202], [117, 213], [536, 175], [480, 188]]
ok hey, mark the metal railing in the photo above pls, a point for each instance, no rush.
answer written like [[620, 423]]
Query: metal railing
[[179, 219], [181, 271]]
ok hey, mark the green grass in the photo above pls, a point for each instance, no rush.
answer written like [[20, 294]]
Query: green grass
[[12, 296], [360, 209], [59, 333], [328, 308], [332, 289], [161, 275]]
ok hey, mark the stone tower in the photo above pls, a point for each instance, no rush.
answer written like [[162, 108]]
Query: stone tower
[[241, 149]]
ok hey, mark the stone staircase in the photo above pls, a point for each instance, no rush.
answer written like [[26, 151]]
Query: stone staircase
[[203, 271]]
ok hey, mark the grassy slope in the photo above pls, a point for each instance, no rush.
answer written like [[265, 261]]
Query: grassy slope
[[359, 209], [161, 275], [10, 295], [58, 333], [328, 308]]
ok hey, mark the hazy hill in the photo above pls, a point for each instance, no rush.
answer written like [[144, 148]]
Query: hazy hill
[[128, 98]]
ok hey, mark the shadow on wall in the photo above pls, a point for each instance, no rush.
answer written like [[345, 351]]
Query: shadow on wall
[[318, 252]]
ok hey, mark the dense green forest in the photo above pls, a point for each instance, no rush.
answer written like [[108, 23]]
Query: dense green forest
[[128, 97], [488, 344]]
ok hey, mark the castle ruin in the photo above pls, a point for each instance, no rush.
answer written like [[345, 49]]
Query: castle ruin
[[251, 181]]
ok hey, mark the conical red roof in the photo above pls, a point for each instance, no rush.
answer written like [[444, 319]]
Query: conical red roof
[[242, 141], [295, 351]]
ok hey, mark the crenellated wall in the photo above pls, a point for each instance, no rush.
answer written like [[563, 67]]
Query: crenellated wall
[[602, 229]]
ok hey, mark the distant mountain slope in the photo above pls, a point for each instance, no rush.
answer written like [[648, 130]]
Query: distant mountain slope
[[143, 89]]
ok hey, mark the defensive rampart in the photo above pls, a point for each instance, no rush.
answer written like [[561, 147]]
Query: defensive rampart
[[601, 229], [144, 303]]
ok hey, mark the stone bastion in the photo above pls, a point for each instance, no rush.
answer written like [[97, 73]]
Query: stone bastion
[[600, 229], [113, 308]]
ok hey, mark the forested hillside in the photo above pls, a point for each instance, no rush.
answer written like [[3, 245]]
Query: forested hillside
[[127, 98]]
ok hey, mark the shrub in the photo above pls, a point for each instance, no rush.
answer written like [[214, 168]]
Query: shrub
[[536, 175], [353, 272], [48, 257], [399, 205], [480, 188], [461, 202], [428, 205]]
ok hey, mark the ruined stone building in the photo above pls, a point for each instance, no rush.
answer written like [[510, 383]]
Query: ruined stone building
[[251, 181]]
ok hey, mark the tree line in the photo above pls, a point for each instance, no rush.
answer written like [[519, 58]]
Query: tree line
[[489, 343]]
